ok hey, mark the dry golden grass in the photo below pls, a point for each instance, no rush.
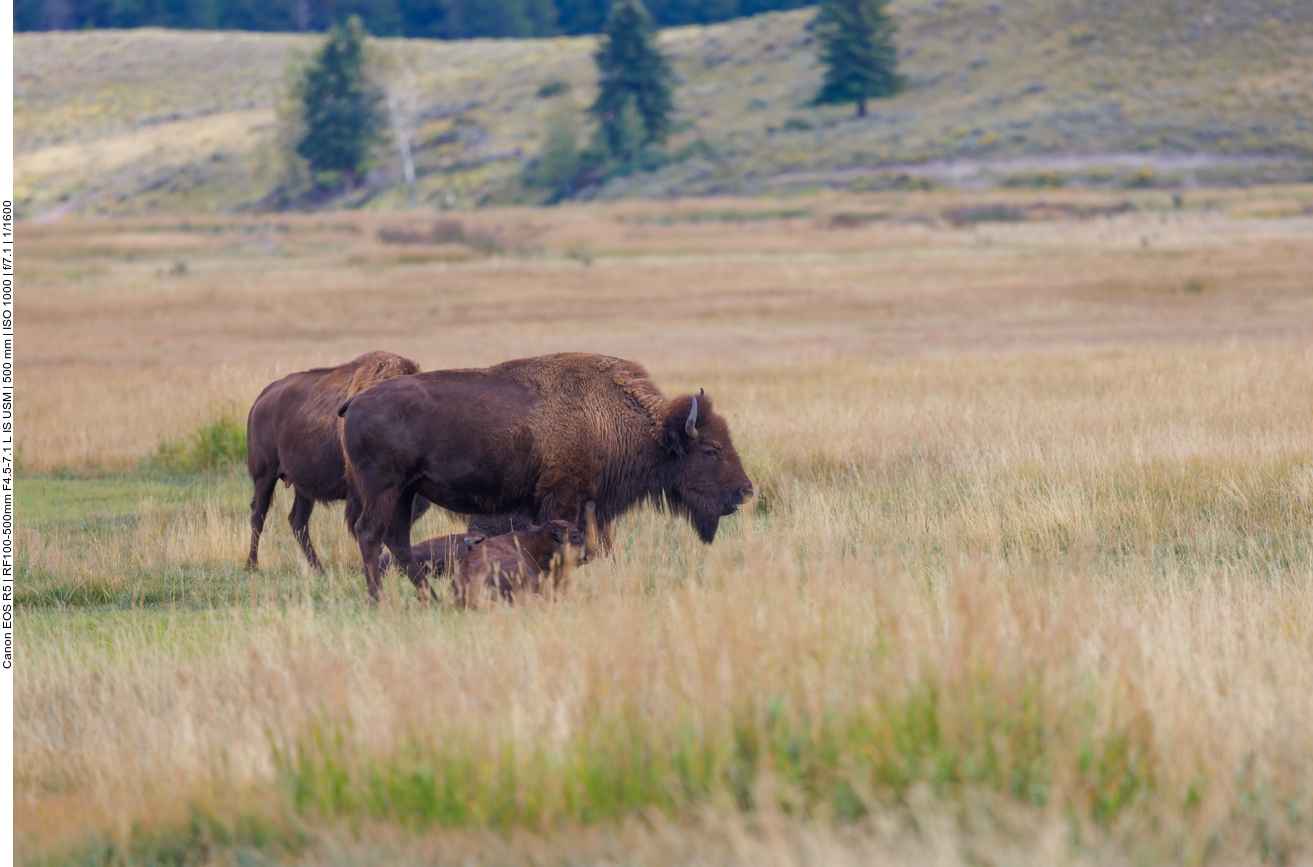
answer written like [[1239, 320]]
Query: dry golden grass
[[1030, 576], [118, 350]]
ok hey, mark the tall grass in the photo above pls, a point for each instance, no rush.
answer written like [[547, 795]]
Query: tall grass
[[1029, 570], [1169, 715], [1066, 588]]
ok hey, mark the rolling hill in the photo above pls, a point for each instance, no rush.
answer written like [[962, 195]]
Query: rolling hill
[[1019, 92]]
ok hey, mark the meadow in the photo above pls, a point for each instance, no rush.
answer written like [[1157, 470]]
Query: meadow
[[1028, 578]]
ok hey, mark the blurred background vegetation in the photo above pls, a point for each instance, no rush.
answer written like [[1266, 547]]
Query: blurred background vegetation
[[443, 19], [1117, 94]]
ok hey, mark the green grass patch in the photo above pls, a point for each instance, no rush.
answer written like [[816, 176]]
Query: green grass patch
[[998, 735], [214, 445], [97, 526], [188, 585], [81, 505], [206, 836]]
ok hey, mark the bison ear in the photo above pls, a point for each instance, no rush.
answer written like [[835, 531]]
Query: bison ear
[[557, 531], [680, 427]]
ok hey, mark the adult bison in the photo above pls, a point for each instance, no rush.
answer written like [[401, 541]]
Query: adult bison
[[538, 438], [292, 434]]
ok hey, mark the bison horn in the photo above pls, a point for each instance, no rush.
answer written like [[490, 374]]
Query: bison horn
[[691, 426]]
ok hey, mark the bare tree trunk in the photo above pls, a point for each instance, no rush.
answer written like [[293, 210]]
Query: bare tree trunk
[[861, 107], [303, 15], [403, 103], [403, 144]]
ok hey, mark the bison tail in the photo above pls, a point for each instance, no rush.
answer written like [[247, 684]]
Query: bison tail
[[341, 410]]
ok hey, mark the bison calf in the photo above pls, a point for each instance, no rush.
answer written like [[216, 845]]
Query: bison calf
[[515, 562], [439, 555]]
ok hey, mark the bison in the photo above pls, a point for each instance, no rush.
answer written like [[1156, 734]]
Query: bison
[[439, 555], [442, 554], [537, 438], [292, 434], [515, 562]]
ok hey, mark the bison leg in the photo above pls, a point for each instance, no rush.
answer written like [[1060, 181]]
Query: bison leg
[[398, 542], [371, 546], [264, 494], [418, 509], [599, 536], [299, 518], [376, 513], [354, 510]]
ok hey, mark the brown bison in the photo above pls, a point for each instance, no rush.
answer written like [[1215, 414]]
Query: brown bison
[[537, 438], [515, 562], [292, 433], [442, 554], [439, 555]]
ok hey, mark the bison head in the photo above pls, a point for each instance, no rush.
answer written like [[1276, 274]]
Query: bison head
[[705, 480], [572, 546]]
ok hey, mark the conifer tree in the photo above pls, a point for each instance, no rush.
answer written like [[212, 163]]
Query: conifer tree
[[343, 111], [630, 132], [856, 39], [631, 67]]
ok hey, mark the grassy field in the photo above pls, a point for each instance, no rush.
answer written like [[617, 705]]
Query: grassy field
[[152, 121], [1029, 577]]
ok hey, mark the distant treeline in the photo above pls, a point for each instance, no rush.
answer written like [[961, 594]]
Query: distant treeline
[[440, 19]]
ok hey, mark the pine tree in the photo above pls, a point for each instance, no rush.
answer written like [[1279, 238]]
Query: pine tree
[[856, 39], [630, 67], [630, 132], [343, 111]]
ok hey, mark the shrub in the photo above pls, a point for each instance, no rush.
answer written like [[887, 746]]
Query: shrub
[[215, 445], [443, 232], [1036, 180], [558, 162], [554, 87], [448, 232], [1141, 179]]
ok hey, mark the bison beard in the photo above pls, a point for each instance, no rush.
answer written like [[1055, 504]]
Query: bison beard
[[537, 439], [292, 434]]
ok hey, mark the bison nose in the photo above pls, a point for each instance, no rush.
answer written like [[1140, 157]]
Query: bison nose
[[746, 492]]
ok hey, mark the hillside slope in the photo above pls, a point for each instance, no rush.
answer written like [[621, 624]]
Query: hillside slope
[[153, 121]]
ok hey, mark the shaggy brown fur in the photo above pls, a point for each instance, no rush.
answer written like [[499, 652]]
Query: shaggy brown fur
[[439, 555], [536, 439], [515, 563], [293, 434]]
